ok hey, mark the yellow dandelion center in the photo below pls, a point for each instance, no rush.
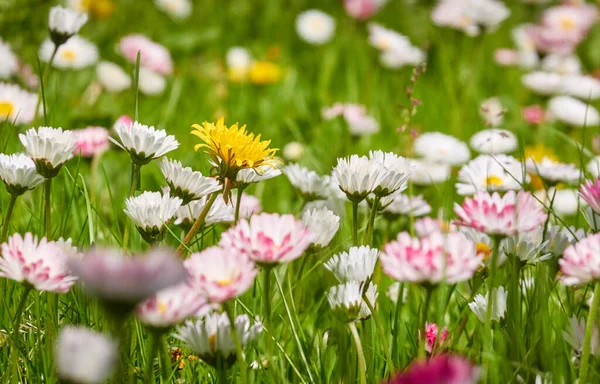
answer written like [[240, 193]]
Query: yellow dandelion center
[[6, 108], [493, 180], [69, 54], [538, 152], [568, 23], [483, 249]]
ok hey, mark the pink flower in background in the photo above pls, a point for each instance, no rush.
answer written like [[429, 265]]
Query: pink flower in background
[[534, 114], [123, 120], [90, 141], [571, 19], [355, 115], [506, 56], [432, 259], [590, 192], [580, 263], [553, 40], [220, 274], [362, 9], [42, 263], [332, 112], [433, 336], [249, 205], [152, 55], [269, 238], [443, 369], [509, 215]]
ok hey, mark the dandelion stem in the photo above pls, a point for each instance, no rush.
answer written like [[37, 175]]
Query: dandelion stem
[[355, 223], [238, 202], [368, 237], [382, 334], [47, 207], [16, 326], [362, 365], [9, 210], [487, 332], [197, 224], [238, 343], [587, 342]]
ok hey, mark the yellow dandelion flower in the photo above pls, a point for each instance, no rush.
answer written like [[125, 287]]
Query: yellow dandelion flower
[[264, 72], [538, 152]]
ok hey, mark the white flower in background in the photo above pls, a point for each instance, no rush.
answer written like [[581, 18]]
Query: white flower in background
[[9, 64], [255, 175], [315, 27], [218, 213], [561, 237], [323, 224], [355, 265], [427, 172], [426, 226], [177, 9], [359, 176], [573, 112], [85, 356], [16, 105], [238, 58], [151, 212], [293, 151], [144, 143], [409, 55], [359, 123], [494, 141], [528, 248], [583, 87], [112, 77], [185, 183], [491, 173], [398, 170], [49, 148], [566, 201], [553, 171], [564, 65], [76, 53], [63, 23], [543, 83], [575, 336], [309, 184], [405, 205], [442, 148], [393, 292], [492, 112], [480, 303], [386, 39], [151, 83], [346, 300], [470, 16], [593, 166], [153, 56], [19, 174], [211, 339]]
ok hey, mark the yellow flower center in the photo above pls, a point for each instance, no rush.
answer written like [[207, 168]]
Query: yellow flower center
[[538, 152], [6, 108], [68, 54], [493, 180], [382, 43], [224, 282], [162, 307], [484, 249], [212, 341], [568, 23], [317, 24]]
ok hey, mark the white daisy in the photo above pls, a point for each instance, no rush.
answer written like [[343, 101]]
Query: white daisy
[[49, 148], [404, 205], [177, 9], [494, 141], [346, 300], [543, 83], [16, 105], [323, 224], [386, 39], [561, 237], [491, 173], [359, 176], [144, 143], [528, 248], [8, 62], [76, 53], [355, 265], [185, 183], [442, 148], [19, 174], [219, 212], [239, 61], [575, 336], [553, 171], [567, 202], [480, 303], [150, 212], [63, 23], [308, 183], [583, 87], [573, 112], [112, 77], [563, 65], [293, 151], [255, 175], [393, 292], [151, 83], [492, 111], [398, 170], [408, 55], [427, 172], [593, 166], [315, 27]]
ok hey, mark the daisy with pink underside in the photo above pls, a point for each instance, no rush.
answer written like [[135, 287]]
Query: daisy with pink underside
[[590, 192], [580, 263]]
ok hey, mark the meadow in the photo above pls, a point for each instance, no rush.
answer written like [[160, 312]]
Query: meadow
[[345, 181]]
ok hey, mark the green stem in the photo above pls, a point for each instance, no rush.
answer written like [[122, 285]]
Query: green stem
[[268, 324], [135, 175], [238, 343], [197, 224], [362, 365], [355, 223], [43, 80], [395, 342], [222, 373], [423, 320], [368, 237], [47, 207], [16, 326], [587, 343], [487, 332], [153, 348], [7, 216], [514, 302], [238, 203], [382, 334], [166, 365]]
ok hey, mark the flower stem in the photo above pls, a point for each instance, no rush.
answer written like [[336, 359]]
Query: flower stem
[[43, 80], [238, 202], [222, 373], [47, 207], [382, 334], [423, 320], [9, 210], [587, 342], [355, 223], [368, 237], [153, 348], [197, 224], [267, 309], [395, 342], [238, 343], [135, 175], [16, 326], [514, 302], [362, 365], [487, 332]]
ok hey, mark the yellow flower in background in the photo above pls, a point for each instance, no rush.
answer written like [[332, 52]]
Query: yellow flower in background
[[538, 152], [264, 72], [100, 8]]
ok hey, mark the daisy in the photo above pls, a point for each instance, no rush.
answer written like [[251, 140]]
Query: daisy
[[442, 148], [9, 64], [355, 265], [153, 56], [528, 248], [17, 106], [63, 23], [220, 274], [91, 141], [144, 143], [438, 257], [561, 238], [386, 39], [49, 148], [574, 335], [177, 9], [583, 87], [18, 173], [470, 16], [293, 151], [440, 369], [112, 77], [151, 212], [40, 263], [553, 171], [85, 356], [491, 173], [359, 123], [480, 303], [268, 238], [404, 205], [543, 83], [251, 176], [315, 27], [426, 172], [323, 224], [492, 112], [434, 338], [398, 170], [359, 176], [593, 166], [219, 212], [308, 183], [239, 61], [590, 192], [76, 53], [580, 263], [151, 83], [508, 215], [573, 112], [563, 65], [407, 55], [363, 9], [426, 226], [494, 141], [347, 302], [185, 183]]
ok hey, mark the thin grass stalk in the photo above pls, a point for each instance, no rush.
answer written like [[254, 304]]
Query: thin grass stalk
[[587, 342], [362, 365]]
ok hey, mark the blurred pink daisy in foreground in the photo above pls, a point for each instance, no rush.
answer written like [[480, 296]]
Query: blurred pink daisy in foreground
[[444, 369], [91, 141], [580, 263], [432, 259], [269, 238], [590, 192], [220, 274], [508, 215], [42, 264], [152, 55]]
